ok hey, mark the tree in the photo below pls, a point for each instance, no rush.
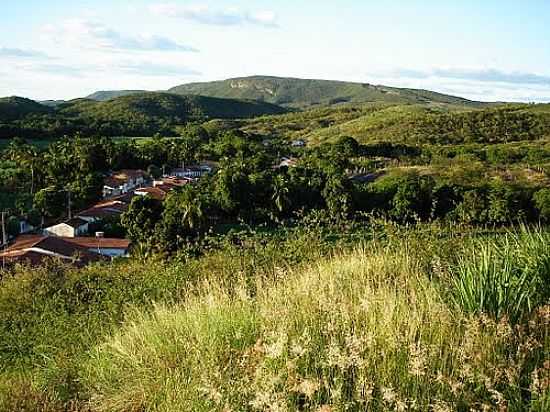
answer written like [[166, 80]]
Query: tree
[[50, 201], [542, 203], [280, 197], [25, 155], [184, 216], [141, 218]]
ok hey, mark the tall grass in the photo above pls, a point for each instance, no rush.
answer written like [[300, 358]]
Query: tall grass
[[505, 276], [294, 324], [366, 330]]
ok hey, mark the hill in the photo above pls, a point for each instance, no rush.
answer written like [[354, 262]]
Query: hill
[[14, 108], [412, 124], [303, 93], [142, 114], [105, 95]]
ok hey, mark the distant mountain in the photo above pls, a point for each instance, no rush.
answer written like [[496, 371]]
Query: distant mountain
[[52, 103], [105, 95], [141, 114], [168, 107], [15, 108], [303, 93]]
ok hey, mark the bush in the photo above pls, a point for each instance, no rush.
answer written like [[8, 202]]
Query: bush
[[505, 277]]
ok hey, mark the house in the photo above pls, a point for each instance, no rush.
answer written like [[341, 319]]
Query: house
[[158, 192], [286, 162], [25, 226], [108, 247], [122, 182], [193, 172], [35, 250], [298, 143], [105, 210], [71, 228], [173, 181]]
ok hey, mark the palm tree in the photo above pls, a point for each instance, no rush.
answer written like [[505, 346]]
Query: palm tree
[[25, 155], [280, 193]]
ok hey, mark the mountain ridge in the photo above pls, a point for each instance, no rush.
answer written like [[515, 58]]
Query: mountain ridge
[[303, 93], [296, 93]]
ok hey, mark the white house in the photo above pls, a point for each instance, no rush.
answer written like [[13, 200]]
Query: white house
[[193, 172], [122, 182], [72, 228]]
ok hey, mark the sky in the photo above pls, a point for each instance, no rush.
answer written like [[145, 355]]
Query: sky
[[490, 50]]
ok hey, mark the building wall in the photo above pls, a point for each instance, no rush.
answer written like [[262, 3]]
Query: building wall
[[64, 230], [110, 252], [61, 230]]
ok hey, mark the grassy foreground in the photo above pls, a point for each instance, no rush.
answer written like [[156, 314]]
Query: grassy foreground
[[409, 320]]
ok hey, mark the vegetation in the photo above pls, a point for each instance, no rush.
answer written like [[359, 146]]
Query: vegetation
[[142, 114], [271, 324], [300, 93], [399, 261]]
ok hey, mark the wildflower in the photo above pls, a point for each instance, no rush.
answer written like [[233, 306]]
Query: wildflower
[[308, 388], [388, 395], [440, 406], [417, 360]]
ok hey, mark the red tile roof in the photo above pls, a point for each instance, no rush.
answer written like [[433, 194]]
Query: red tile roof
[[157, 192], [105, 209], [99, 242], [122, 176], [35, 250]]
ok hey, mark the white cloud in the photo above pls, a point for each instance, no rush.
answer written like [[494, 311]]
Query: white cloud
[[218, 17], [21, 53], [138, 68], [485, 84], [489, 75], [89, 34]]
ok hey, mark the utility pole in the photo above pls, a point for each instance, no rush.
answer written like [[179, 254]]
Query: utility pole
[[4, 233], [69, 212]]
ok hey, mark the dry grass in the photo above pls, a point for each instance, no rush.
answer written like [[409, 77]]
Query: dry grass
[[366, 330]]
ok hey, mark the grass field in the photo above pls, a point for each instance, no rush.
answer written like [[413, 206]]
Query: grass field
[[426, 319]]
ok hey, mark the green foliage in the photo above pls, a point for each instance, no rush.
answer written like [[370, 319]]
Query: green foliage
[[142, 114], [542, 202], [141, 218], [507, 276], [301, 93]]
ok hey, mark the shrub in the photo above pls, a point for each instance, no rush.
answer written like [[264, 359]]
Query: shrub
[[508, 276]]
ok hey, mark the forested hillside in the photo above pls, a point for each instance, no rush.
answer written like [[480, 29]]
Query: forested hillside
[[303, 93], [141, 114], [412, 124]]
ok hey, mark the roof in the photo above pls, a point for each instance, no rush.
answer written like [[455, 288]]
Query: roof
[[105, 209], [99, 242], [174, 181], [122, 176], [158, 192], [35, 249], [76, 222]]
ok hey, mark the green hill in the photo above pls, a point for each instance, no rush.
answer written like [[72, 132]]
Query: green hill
[[14, 108], [413, 124], [105, 95], [142, 114], [301, 93]]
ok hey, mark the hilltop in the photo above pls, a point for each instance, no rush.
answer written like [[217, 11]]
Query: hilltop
[[104, 95], [14, 108], [141, 114], [303, 93]]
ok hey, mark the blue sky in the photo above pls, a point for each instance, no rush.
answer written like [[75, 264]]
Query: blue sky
[[484, 50]]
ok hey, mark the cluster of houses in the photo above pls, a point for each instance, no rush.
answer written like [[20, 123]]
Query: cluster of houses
[[71, 240]]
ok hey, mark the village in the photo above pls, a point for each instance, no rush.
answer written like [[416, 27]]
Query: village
[[73, 240]]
